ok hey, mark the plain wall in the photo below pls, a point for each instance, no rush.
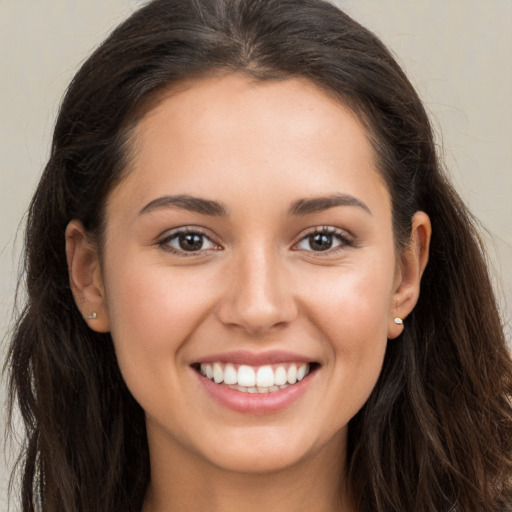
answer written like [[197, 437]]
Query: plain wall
[[458, 53]]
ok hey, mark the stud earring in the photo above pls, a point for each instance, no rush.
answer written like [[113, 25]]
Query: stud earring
[[92, 316], [398, 321]]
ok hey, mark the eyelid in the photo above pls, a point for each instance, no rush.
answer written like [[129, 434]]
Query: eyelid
[[347, 240], [167, 236]]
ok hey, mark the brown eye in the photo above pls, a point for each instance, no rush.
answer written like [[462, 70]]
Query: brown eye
[[325, 239], [190, 241], [187, 242], [320, 241]]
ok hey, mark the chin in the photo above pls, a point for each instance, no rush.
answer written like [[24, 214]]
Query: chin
[[263, 461], [269, 452]]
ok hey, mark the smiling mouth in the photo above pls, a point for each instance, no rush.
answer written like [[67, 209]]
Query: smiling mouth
[[255, 379]]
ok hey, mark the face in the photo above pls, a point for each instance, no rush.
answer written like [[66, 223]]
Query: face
[[249, 278]]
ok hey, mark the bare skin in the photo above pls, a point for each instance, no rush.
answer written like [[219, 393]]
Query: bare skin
[[304, 487], [253, 219]]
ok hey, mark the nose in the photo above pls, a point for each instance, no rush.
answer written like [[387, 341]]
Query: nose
[[259, 295]]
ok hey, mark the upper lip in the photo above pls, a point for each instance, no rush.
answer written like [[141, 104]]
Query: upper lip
[[255, 358]]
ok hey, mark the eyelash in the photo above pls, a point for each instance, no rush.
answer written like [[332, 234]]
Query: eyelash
[[344, 241], [164, 244], [342, 236]]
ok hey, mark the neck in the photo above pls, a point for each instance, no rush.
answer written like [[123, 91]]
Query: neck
[[190, 484]]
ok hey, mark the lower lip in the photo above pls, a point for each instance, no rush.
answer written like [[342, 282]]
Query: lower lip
[[255, 403]]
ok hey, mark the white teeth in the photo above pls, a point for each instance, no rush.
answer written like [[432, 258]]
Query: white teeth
[[301, 372], [218, 374], [246, 376], [265, 379], [230, 374], [291, 374], [265, 376], [280, 376]]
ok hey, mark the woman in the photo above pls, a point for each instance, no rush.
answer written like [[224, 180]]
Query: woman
[[250, 284]]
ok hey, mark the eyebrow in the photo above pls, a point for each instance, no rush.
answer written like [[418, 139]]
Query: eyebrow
[[186, 202], [214, 208], [320, 204]]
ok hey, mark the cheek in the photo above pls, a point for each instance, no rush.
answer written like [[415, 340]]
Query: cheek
[[355, 323], [153, 300], [352, 306], [351, 311], [152, 311]]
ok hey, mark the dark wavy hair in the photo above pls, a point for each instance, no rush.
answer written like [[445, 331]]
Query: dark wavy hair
[[436, 432]]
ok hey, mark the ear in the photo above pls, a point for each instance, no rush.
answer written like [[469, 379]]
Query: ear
[[85, 277], [411, 267]]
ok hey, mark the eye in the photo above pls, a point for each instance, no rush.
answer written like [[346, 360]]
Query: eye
[[187, 241], [323, 240]]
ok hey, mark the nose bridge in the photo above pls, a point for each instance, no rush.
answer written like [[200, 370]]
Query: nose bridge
[[259, 296]]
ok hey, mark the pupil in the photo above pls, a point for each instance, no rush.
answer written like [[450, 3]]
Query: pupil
[[191, 242], [320, 241]]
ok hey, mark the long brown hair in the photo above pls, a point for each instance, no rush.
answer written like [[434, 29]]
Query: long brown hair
[[436, 432]]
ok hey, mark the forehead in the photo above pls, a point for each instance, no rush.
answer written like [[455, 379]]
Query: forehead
[[215, 101], [221, 131]]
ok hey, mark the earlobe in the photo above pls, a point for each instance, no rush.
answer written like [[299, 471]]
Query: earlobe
[[85, 277], [412, 265]]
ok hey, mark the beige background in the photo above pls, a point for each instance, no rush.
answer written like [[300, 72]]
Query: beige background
[[457, 52]]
